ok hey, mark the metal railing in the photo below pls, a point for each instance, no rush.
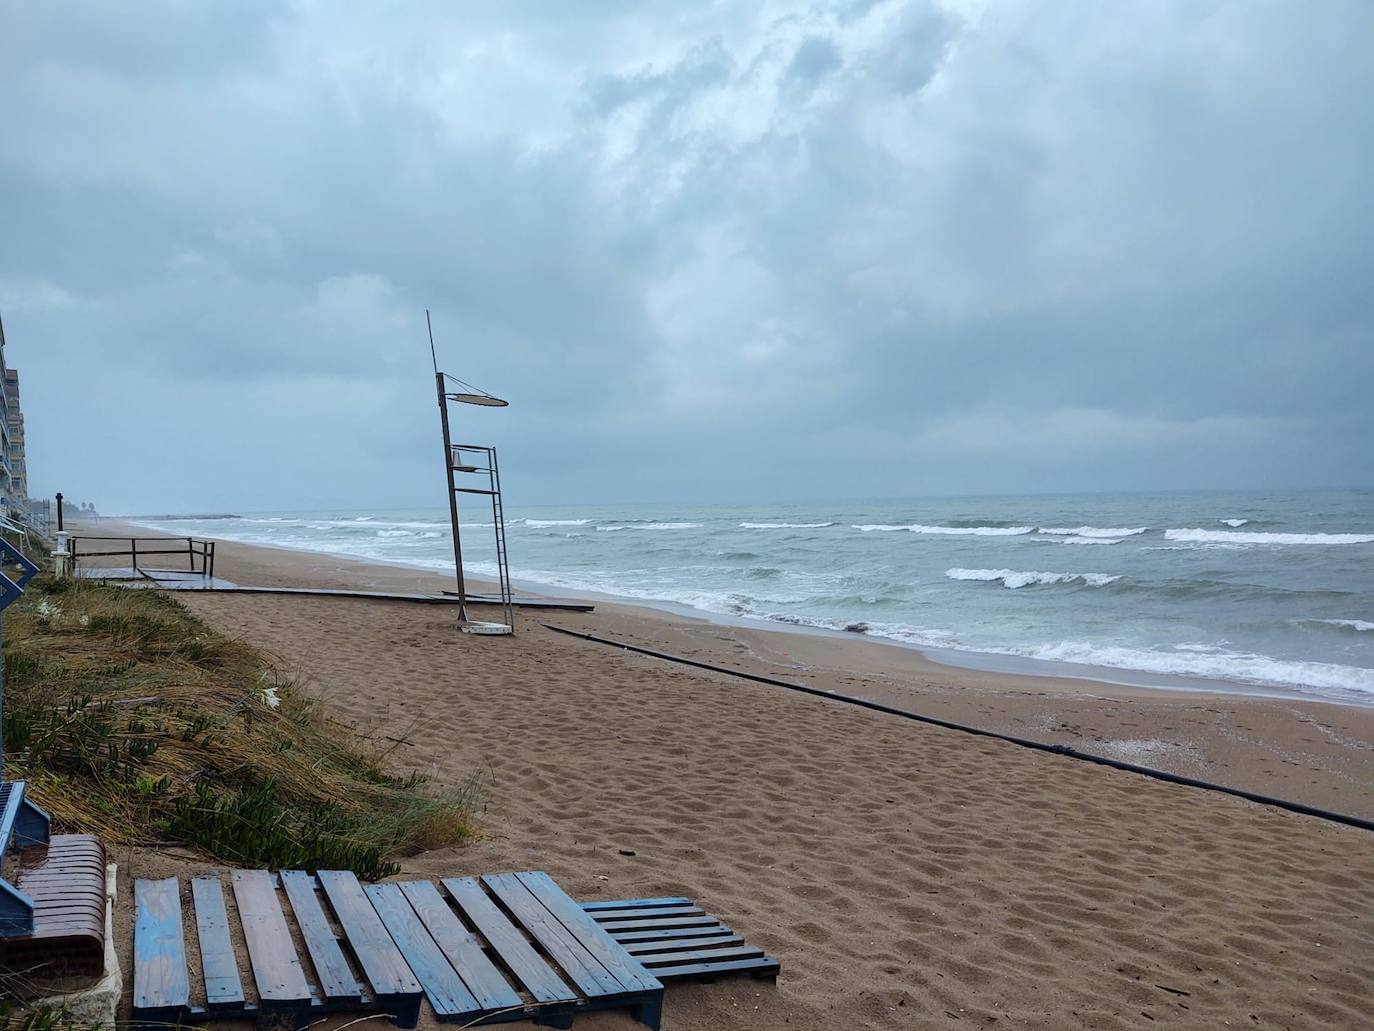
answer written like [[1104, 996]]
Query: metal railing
[[200, 554]]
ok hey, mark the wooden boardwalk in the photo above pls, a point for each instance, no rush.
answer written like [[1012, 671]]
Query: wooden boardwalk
[[181, 580], [480, 950]]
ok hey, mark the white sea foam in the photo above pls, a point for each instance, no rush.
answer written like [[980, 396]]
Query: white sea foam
[[1197, 536], [652, 526], [1235, 522], [370, 523], [540, 523], [783, 526], [1362, 625], [1014, 578], [955, 531], [1216, 663], [1095, 531], [1078, 540]]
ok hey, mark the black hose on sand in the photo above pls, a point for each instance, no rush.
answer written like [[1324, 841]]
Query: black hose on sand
[[1039, 746]]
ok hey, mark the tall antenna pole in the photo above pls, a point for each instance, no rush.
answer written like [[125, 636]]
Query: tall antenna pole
[[432, 357], [448, 473]]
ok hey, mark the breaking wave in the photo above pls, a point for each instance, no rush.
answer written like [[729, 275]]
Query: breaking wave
[[1217, 663], [957, 531], [1358, 625], [537, 524], [650, 526], [1013, 578], [1095, 531], [1079, 540], [1197, 536], [783, 526]]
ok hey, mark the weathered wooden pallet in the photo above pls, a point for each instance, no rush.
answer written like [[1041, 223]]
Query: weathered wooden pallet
[[482, 950], [676, 941]]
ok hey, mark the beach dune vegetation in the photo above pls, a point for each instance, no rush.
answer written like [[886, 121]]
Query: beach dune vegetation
[[132, 719]]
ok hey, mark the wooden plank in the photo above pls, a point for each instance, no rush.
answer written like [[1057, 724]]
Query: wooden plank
[[645, 949], [646, 913], [662, 934], [614, 904], [161, 982], [277, 969], [381, 961], [443, 987], [761, 967], [459, 945], [585, 970], [712, 956], [589, 934], [664, 923], [331, 966], [529, 968], [223, 987]]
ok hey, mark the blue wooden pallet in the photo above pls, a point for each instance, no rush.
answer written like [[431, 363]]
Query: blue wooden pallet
[[676, 941], [480, 950]]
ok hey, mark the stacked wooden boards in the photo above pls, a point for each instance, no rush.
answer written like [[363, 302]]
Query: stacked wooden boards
[[63, 879], [500, 947]]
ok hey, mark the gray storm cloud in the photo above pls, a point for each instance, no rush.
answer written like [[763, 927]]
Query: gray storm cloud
[[779, 250]]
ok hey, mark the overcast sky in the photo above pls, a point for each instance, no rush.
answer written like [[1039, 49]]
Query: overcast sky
[[712, 251]]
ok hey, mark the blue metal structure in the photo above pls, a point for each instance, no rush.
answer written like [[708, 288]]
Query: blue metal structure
[[21, 822]]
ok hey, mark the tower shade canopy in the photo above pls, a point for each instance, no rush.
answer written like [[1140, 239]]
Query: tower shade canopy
[[478, 399]]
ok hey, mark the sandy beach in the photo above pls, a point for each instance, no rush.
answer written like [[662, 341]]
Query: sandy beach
[[906, 876], [949, 421]]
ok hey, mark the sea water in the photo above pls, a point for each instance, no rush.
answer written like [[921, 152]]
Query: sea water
[[1271, 590]]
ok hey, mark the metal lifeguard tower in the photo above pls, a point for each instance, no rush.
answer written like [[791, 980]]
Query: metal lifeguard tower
[[472, 469]]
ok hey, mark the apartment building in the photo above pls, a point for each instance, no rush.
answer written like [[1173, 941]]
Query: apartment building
[[14, 474]]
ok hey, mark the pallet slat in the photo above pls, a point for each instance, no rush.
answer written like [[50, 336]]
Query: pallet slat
[[614, 904], [761, 967], [608, 952], [461, 948], [395, 986], [162, 986], [443, 987], [223, 986], [712, 956], [663, 934], [659, 923], [529, 968], [591, 978], [277, 969], [647, 912], [331, 966], [645, 949]]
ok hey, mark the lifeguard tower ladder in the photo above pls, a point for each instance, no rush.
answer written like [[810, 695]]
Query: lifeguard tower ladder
[[465, 465]]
